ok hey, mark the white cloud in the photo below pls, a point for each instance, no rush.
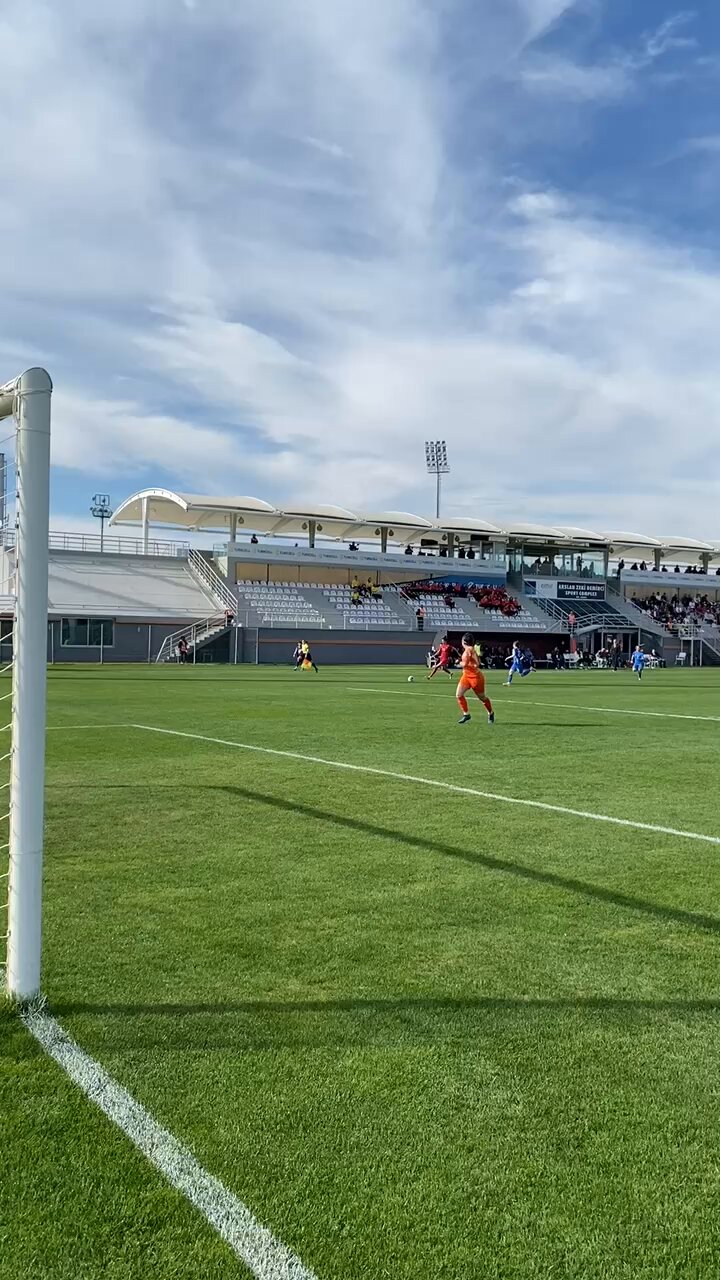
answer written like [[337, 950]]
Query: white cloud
[[541, 15], [664, 38], [563, 77], [327, 148], [590, 392], [102, 436], [267, 247]]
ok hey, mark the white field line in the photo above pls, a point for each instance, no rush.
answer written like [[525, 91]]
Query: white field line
[[529, 702], [626, 711], [441, 786], [62, 727], [256, 1246]]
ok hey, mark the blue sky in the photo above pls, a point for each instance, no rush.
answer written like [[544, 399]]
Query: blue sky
[[268, 248]]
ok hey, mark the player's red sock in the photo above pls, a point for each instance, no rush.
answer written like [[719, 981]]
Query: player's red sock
[[463, 704], [487, 705]]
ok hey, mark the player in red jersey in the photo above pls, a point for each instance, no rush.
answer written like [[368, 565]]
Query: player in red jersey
[[473, 679], [444, 659]]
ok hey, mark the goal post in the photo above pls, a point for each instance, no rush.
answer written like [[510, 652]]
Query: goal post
[[27, 399]]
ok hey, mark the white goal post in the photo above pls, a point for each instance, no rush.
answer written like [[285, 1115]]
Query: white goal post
[[27, 399]]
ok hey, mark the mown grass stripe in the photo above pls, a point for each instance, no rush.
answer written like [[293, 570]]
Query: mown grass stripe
[[443, 786]]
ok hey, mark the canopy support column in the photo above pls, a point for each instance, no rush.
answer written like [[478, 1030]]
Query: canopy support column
[[145, 527]]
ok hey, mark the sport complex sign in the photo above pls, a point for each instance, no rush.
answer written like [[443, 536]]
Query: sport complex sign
[[555, 589]]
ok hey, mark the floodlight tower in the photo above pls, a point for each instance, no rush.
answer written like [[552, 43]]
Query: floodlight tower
[[102, 510], [436, 460]]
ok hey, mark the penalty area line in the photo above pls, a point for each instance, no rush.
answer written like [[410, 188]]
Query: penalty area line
[[453, 787], [255, 1245], [563, 706]]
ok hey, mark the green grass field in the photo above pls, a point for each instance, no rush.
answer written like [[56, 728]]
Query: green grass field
[[424, 1035]]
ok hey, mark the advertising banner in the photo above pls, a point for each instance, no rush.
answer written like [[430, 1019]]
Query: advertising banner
[[452, 569], [545, 587]]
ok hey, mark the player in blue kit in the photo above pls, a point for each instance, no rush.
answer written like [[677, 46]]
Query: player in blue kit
[[518, 664], [639, 659]]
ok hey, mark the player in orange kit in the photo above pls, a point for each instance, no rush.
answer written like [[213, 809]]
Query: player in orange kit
[[472, 678]]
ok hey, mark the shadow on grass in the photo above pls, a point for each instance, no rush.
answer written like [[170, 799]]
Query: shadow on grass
[[459, 1023], [363, 1021], [390, 1005], [490, 862]]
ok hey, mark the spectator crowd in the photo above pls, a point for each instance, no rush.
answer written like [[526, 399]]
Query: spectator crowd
[[643, 567], [671, 611], [484, 597], [368, 590]]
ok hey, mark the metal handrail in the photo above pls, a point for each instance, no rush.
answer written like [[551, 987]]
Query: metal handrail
[[193, 633], [91, 542], [211, 579]]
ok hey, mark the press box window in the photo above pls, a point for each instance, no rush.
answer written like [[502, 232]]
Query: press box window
[[87, 633]]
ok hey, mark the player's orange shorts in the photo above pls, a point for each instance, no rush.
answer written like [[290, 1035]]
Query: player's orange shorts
[[474, 680]]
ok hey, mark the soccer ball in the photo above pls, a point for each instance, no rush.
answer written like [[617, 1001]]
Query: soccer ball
[[410, 679]]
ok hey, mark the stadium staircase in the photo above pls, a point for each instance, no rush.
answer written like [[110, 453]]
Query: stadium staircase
[[595, 615], [197, 635], [639, 619], [710, 637], [203, 569], [200, 634]]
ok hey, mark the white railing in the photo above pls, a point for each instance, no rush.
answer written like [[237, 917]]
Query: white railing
[[195, 634], [92, 542], [669, 580], [552, 609], [637, 616], [211, 580], [711, 642], [585, 621]]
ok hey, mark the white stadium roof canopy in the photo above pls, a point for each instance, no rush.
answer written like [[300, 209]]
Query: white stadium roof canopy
[[633, 544], [201, 512], [687, 544], [195, 512]]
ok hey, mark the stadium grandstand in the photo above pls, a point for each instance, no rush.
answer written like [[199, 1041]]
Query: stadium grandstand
[[240, 579]]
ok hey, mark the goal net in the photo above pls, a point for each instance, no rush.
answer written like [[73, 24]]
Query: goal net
[[26, 402]]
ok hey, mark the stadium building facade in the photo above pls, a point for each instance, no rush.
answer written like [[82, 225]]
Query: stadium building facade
[[240, 580]]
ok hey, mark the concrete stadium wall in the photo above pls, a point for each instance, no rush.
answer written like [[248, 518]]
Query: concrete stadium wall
[[139, 641], [337, 648], [133, 642]]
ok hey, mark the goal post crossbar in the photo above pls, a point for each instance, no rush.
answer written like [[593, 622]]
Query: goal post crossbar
[[27, 399], [8, 395]]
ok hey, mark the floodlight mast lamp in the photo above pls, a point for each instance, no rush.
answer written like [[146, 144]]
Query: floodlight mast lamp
[[27, 398], [102, 511], [436, 461]]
